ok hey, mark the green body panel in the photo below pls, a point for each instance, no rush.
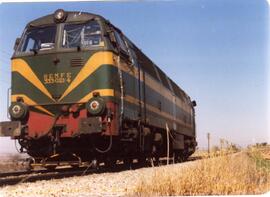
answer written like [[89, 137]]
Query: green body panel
[[104, 77], [153, 97], [43, 65], [20, 85]]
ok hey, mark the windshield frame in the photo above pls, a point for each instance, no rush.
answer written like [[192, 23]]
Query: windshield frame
[[82, 48], [18, 51], [58, 40]]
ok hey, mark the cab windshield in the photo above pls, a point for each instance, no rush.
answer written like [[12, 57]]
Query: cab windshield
[[38, 39], [85, 35]]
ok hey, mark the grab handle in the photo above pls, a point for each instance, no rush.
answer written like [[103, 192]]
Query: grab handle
[[8, 101]]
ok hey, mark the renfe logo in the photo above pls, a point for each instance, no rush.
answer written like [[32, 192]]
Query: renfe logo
[[52, 78]]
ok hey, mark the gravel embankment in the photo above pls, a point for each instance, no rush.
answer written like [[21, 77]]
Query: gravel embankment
[[11, 162], [105, 184]]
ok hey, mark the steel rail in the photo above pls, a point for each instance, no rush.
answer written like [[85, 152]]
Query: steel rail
[[13, 178]]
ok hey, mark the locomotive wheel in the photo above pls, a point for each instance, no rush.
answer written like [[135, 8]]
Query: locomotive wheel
[[128, 163], [178, 157], [142, 161], [110, 162]]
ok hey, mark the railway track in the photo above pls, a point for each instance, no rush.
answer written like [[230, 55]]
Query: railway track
[[16, 177], [12, 178]]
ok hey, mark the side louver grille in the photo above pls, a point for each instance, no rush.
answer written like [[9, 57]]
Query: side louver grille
[[76, 62]]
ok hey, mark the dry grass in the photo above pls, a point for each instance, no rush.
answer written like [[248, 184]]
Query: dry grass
[[216, 151], [263, 151], [261, 156], [224, 175]]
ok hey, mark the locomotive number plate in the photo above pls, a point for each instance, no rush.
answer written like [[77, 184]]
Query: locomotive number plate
[[52, 78]]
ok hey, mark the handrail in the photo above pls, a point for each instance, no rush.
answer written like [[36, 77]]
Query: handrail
[[8, 101]]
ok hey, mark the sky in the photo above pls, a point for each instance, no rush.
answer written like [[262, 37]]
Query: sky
[[216, 50]]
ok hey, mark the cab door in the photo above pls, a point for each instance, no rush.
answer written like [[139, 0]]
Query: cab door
[[137, 82], [128, 74]]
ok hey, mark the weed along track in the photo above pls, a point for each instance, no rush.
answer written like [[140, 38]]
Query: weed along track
[[229, 174]]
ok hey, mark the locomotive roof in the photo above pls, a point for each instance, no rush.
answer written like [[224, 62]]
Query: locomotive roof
[[150, 69], [71, 17]]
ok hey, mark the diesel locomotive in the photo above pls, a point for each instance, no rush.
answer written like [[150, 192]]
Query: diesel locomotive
[[82, 90]]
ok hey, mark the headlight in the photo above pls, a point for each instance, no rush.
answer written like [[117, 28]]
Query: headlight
[[95, 106], [60, 15], [18, 110]]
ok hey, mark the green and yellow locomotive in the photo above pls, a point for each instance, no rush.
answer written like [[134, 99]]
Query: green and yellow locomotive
[[81, 88]]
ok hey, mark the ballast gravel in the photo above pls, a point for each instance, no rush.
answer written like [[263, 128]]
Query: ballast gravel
[[105, 184]]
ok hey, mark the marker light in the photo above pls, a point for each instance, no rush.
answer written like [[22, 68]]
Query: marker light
[[18, 110], [95, 106]]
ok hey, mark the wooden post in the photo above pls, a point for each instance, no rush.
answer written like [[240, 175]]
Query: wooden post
[[221, 144], [208, 142]]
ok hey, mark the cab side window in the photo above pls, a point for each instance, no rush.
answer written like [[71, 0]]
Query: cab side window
[[121, 43]]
